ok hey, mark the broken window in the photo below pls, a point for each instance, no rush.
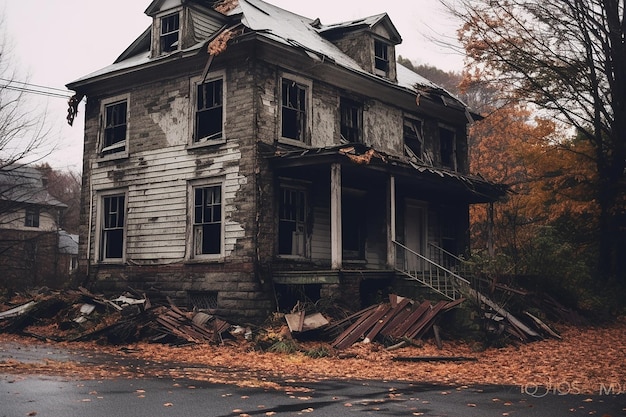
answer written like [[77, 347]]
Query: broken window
[[207, 220], [293, 110], [381, 58], [113, 218], [209, 110], [292, 221], [351, 121], [413, 139], [447, 148], [170, 26], [32, 217], [115, 127]]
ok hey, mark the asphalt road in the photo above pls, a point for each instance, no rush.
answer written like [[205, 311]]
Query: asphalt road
[[37, 396], [31, 395]]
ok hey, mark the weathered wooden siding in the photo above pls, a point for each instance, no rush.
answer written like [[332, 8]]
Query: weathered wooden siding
[[204, 26]]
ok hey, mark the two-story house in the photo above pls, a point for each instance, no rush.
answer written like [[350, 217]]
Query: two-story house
[[34, 250], [238, 155]]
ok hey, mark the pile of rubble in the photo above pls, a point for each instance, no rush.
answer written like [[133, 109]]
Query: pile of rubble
[[79, 315]]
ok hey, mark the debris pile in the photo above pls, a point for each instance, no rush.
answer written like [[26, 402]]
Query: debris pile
[[79, 315], [398, 321]]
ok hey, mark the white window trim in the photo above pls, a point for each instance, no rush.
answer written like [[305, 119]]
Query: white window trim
[[99, 256], [194, 82], [379, 72], [191, 255], [103, 105], [156, 33], [308, 111]]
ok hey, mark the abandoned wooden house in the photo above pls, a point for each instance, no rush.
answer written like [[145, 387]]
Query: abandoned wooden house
[[237, 154]]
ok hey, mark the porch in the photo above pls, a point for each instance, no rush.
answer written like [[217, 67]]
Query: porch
[[351, 214]]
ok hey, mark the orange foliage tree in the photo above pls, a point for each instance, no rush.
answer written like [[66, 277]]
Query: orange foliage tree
[[551, 178], [567, 58]]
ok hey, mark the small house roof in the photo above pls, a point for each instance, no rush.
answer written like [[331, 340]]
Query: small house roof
[[25, 184], [68, 243]]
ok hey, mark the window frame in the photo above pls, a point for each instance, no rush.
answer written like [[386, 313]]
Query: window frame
[[102, 234], [354, 107], [452, 152], [117, 149], [32, 216], [175, 46], [306, 86], [195, 85], [193, 237], [381, 62], [417, 126], [300, 224]]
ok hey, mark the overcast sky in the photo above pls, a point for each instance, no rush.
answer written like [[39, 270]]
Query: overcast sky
[[54, 42]]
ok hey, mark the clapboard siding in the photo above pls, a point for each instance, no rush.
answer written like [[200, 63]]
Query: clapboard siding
[[157, 183], [320, 239], [203, 26]]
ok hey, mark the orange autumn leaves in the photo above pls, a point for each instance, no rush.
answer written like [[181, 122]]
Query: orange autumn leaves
[[585, 359], [551, 175]]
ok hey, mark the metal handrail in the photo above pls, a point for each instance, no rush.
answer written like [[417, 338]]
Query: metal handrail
[[431, 262]]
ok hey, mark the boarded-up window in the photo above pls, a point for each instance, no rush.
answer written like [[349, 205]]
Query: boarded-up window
[[207, 220], [170, 27], [351, 121], [115, 126], [292, 222], [293, 110], [113, 218], [209, 110]]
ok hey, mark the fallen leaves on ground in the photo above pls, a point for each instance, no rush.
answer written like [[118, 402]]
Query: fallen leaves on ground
[[586, 359]]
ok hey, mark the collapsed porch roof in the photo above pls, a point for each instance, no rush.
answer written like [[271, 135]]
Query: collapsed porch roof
[[463, 187]]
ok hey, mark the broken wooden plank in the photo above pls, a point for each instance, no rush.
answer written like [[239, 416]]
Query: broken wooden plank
[[401, 312], [500, 310], [357, 330], [382, 321], [403, 329], [425, 322], [16, 311], [543, 325]]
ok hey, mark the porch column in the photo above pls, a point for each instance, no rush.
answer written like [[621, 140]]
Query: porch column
[[335, 217], [391, 221]]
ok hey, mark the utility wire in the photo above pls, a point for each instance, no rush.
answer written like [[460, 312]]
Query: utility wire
[[35, 89]]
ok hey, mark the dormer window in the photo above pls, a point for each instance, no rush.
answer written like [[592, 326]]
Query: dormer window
[[381, 58], [170, 33]]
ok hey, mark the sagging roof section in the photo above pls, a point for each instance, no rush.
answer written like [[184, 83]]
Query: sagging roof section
[[475, 188]]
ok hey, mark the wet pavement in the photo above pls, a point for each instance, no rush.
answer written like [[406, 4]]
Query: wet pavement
[[31, 395]]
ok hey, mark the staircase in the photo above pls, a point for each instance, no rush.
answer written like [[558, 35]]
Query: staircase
[[446, 282], [429, 273]]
